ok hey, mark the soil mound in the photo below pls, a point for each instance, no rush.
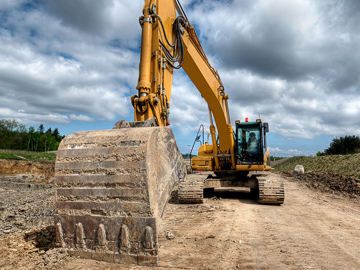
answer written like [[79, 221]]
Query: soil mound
[[329, 182], [43, 172]]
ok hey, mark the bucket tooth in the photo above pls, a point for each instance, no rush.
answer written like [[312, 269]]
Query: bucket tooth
[[80, 235], [124, 238], [111, 189], [149, 239], [101, 238], [59, 236]]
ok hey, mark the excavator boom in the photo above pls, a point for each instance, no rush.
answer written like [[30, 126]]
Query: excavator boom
[[168, 43]]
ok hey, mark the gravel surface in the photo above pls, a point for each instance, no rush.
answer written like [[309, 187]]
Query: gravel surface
[[25, 205], [316, 228], [26, 224]]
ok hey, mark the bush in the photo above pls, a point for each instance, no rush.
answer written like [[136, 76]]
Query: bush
[[344, 145]]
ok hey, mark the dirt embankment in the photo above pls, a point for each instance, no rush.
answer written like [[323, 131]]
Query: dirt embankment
[[329, 182], [332, 174], [37, 172], [27, 195], [27, 206]]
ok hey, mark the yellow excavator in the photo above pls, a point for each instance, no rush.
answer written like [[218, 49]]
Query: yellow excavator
[[112, 186]]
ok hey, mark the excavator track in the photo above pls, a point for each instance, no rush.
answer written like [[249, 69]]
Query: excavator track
[[191, 189], [270, 191]]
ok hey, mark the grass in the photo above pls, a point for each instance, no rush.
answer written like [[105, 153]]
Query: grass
[[9, 156], [347, 165], [27, 155]]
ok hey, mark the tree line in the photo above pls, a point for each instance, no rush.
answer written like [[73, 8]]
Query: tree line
[[16, 136], [343, 146]]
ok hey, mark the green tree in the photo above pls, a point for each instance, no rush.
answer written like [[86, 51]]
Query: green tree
[[344, 145], [3, 134], [21, 137], [14, 135], [11, 125], [56, 135], [52, 143], [31, 132], [41, 129]]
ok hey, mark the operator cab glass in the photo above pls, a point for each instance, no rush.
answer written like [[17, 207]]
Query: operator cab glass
[[250, 142]]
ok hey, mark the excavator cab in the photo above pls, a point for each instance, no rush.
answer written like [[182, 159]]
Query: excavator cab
[[251, 142]]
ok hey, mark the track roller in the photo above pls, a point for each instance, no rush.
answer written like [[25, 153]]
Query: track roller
[[191, 190], [271, 191]]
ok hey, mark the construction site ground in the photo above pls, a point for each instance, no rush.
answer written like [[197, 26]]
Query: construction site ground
[[311, 230]]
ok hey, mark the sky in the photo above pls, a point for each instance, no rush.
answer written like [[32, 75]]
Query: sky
[[296, 64]]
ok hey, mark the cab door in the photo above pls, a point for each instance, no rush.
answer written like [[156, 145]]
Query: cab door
[[249, 143]]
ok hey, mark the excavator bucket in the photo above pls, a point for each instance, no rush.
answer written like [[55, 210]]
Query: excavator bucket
[[112, 187]]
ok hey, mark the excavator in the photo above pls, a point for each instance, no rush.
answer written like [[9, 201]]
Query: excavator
[[112, 186]]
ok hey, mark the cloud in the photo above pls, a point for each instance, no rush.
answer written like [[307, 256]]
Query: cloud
[[79, 14], [296, 64], [33, 118], [109, 19], [81, 117], [275, 150], [187, 105], [285, 153], [51, 67], [295, 152]]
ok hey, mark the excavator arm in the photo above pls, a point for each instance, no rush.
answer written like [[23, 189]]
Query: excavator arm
[[170, 42]]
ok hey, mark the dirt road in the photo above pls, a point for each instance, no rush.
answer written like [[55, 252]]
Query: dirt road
[[312, 230]]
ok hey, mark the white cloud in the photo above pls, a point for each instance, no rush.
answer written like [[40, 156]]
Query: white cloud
[[51, 68], [33, 118], [295, 152], [294, 63], [81, 117], [275, 150], [285, 153]]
